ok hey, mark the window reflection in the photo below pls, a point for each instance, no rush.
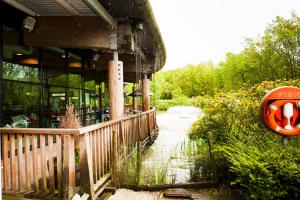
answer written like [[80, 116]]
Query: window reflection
[[20, 104], [13, 71]]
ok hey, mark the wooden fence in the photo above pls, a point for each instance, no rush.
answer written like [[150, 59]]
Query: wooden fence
[[45, 163]]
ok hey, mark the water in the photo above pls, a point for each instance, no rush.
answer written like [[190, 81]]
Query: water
[[170, 158]]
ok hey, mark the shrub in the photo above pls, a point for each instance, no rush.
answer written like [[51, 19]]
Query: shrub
[[249, 155]]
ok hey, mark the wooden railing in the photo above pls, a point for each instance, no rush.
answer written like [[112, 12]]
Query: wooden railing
[[41, 162]]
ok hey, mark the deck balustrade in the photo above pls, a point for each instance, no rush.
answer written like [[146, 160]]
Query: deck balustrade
[[57, 163]]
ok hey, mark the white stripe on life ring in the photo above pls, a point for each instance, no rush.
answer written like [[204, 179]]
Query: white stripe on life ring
[[278, 128], [273, 107], [298, 125]]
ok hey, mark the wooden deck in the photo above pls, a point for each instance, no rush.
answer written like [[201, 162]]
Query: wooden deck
[[42, 163]]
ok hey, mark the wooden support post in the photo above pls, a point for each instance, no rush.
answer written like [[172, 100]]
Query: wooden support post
[[68, 166], [115, 163], [212, 158], [86, 167], [146, 94], [115, 84]]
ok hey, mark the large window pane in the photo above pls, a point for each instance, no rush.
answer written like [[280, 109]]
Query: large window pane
[[74, 81], [21, 104], [13, 71], [58, 80]]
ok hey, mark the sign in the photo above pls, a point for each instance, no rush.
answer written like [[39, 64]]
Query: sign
[[281, 111]]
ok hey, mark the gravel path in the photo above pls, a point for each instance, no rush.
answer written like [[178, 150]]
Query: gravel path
[[124, 194], [203, 194]]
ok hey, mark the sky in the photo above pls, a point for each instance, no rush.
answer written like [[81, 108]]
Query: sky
[[197, 31]]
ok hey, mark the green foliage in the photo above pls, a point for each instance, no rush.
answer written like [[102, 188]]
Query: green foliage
[[273, 56], [163, 105], [248, 154]]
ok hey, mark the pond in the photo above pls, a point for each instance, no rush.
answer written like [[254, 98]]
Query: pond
[[171, 157]]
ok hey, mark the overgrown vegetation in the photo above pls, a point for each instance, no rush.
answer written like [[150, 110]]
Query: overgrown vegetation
[[249, 157], [248, 154]]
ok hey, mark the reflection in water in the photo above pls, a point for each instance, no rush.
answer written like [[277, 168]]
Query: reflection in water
[[170, 158]]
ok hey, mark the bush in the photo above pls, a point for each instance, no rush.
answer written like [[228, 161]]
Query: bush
[[249, 155], [163, 105]]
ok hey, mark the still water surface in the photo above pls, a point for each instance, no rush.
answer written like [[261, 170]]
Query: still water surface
[[169, 155]]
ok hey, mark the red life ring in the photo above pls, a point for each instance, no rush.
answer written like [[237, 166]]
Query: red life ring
[[272, 109]]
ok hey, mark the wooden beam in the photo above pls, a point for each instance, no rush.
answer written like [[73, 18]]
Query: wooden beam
[[86, 32], [97, 8], [68, 7]]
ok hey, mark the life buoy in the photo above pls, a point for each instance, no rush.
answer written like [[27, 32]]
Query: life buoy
[[272, 109]]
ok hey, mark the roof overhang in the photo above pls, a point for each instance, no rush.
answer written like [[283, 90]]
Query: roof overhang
[[91, 24]]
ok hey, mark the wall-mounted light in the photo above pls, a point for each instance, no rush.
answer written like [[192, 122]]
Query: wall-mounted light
[[96, 57], [139, 26], [29, 23]]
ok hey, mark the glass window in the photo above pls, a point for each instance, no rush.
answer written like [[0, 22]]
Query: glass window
[[13, 71], [58, 80], [74, 81], [75, 97], [90, 85], [57, 100], [21, 104]]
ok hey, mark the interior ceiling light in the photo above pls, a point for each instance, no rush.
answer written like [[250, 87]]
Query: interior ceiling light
[[64, 56]]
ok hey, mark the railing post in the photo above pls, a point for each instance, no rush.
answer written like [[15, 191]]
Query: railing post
[[115, 161], [149, 126], [68, 166], [86, 167]]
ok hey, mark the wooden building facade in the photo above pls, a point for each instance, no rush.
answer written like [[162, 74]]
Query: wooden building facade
[[57, 51], [82, 51]]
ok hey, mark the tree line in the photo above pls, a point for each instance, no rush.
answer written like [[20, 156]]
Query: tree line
[[272, 56]]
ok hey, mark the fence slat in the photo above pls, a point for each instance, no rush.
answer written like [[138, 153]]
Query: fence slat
[[27, 162], [35, 162], [13, 164], [51, 163], [5, 162], [102, 130], [59, 164], [20, 163], [68, 166], [99, 153], [94, 154], [43, 162]]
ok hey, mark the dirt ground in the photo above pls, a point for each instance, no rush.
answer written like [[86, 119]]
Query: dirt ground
[[206, 194]]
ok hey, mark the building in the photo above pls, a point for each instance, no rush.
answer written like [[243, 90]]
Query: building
[[55, 51]]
